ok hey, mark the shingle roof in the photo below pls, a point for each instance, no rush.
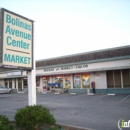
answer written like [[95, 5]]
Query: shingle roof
[[87, 56], [101, 54]]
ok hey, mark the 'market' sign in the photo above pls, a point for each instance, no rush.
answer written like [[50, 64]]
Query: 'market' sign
[[16, 44]]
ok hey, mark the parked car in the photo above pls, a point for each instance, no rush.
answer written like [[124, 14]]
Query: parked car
[[4, 89]]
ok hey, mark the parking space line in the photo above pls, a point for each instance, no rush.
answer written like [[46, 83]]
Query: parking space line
[[124, 98], [74, 126], [97, 97]]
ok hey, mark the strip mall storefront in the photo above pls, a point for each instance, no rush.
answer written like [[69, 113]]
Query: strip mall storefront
[[108, 69], [108, 76], [68, 81]]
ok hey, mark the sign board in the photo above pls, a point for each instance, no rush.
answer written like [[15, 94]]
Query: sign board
[[16, 41], [67, 68], [14, 73]]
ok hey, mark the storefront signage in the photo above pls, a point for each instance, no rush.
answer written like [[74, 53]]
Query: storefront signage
[[49, 69], [14, 73], [17, 40], [64, 68]]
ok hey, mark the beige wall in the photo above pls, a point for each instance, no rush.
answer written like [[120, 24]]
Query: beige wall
[[3, 75], [100, 79], [98, 66], [39, 71], [2, 82]]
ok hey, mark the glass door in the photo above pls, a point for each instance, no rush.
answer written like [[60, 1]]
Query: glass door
[[77, 81]]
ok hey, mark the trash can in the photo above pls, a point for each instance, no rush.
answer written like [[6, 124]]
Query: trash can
[[93, 86]]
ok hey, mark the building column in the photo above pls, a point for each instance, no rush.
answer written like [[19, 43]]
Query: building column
[[121, 79], [51, 79], [113, 79], [81, 81], [41, 84], [13, 84], [63, 81], [8, 82], [22, 83], [17, 84], [71, 81]]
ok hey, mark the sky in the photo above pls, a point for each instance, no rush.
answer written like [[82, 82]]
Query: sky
[[65, 27]]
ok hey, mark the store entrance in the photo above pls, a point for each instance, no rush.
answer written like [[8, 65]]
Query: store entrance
[[45, 83], [19, 86]]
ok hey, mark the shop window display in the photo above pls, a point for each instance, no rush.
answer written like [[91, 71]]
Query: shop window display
[[86, 80], [77, 81], [45, 83], [68, 82], [59, 79]]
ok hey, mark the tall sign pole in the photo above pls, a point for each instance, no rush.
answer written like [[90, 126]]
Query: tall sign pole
[[17, 47], [32, 79]]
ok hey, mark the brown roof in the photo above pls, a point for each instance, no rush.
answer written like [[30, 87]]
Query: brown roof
[[102, 54], [88, 56]]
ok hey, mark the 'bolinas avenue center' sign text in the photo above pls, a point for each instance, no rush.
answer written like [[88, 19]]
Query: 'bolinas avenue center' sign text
[[17, 40]]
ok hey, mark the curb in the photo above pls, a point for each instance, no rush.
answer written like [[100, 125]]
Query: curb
[[75, 127]]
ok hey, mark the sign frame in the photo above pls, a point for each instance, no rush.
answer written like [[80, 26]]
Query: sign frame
[[2, 65]]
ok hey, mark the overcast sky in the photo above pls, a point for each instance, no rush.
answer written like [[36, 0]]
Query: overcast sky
[[64, 27]]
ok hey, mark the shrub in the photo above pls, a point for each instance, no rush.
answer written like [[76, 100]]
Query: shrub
[[33, 117], [5, 123]]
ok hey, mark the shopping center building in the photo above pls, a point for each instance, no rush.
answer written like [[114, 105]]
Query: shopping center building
[[108, 69]]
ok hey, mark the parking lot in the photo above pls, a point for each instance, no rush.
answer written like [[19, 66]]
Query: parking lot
[[100, 111]]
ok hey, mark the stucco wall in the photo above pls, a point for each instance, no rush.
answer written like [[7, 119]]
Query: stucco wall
[[2, 82], [100, 79]]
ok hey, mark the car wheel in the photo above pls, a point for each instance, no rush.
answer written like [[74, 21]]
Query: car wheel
[[11, 91]]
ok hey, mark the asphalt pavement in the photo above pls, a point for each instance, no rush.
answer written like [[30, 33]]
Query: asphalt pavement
[[97, 112]]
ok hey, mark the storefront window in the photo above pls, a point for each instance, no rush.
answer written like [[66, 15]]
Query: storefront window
[[126, 78], [6, 82], [67, 81], [114, 79], [15, 83], [45, 82], [25, 84], [86, 80], [77, 81], [117, 77], [59, 79], [10, 83], [19, 84], [110, 79]]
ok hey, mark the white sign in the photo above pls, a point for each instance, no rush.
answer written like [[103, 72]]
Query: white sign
[[17, 40], [14, 73], [66, 68]]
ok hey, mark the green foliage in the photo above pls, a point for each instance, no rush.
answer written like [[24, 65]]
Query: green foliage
[[5, 123], [33, 117]]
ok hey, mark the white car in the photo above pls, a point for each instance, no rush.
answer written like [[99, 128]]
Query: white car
[[4, 89]]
